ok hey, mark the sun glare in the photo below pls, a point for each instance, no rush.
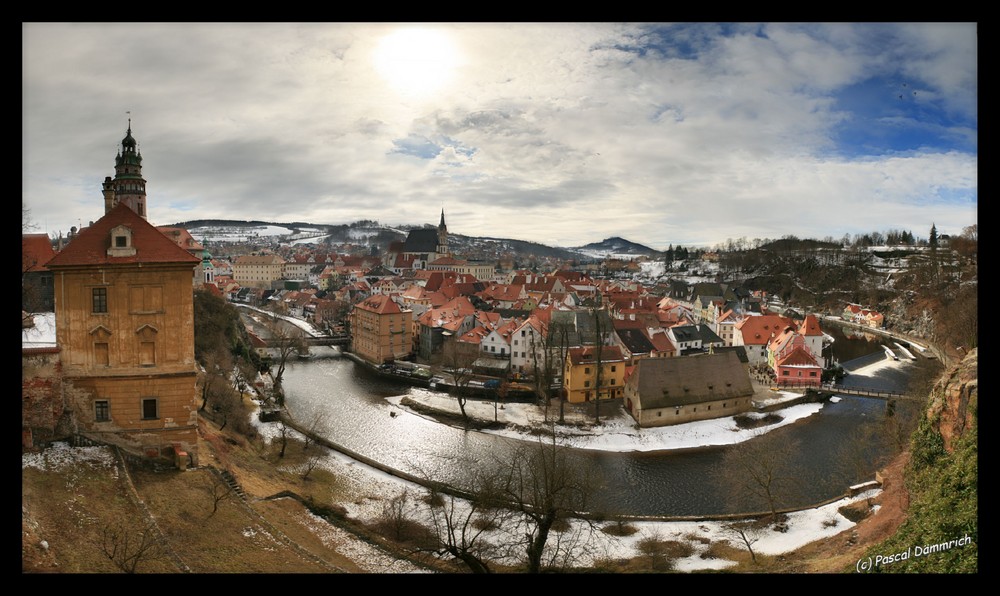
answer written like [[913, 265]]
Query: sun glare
[[416, 61]]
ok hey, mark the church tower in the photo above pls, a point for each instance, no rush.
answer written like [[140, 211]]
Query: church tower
[[128, 186], [442, 244]]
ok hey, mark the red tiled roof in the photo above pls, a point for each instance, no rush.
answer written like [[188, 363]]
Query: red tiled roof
[[588, 354], [90, 247], [758, 329], [36, 250], [380, 304], [181, 237], [810, 326], [798, 357]]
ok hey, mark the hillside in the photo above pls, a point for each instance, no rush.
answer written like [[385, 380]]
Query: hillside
[[372, 233], [293, 517], [616, 247]]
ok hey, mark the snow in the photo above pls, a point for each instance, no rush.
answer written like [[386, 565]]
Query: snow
[[42, 334], [236, 233], [617, 431], [375, 488]]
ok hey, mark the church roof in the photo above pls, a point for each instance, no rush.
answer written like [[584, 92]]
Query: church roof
[[421, 240]]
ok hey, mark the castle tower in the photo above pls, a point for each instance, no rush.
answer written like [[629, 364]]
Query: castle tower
[[128, 185], [442, 244]]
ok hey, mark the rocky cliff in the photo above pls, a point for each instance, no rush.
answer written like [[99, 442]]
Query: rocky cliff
[[954, 400]]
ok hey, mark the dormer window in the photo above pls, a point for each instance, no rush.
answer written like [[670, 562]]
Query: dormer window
[[121, 242]]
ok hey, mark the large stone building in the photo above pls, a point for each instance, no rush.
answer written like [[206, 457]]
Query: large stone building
[[258, 271], [380, 330], [124, 312], [120, 366], [664, 391], [423, 246]]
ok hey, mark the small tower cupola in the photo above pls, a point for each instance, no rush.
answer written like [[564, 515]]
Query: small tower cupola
[[128, 186]]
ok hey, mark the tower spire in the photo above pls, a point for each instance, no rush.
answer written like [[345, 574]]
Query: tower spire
[[128, 185]]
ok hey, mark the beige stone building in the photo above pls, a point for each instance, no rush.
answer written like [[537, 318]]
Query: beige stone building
[[258, 271], [124, 316], [381, 331], [664, 391]]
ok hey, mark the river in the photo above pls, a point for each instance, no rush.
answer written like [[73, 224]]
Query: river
[[349, 403]]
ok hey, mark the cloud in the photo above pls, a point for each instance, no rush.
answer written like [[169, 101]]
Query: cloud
[[663, 133]]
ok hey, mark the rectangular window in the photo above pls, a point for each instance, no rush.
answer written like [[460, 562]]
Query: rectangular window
[[612, 368], [101, 357], [102, 411], [586, 383], [784, 373], [149, 410], [121, 241], [147, 353], [812, 373], [99, 302], [612, 381], [586, 371]]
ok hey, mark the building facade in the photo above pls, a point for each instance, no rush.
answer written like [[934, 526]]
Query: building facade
[[124, 311], [380, 330], [258, 271], [593, 372], [665, 391]]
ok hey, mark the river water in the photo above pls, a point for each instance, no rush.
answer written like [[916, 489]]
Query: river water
[[349, 403]]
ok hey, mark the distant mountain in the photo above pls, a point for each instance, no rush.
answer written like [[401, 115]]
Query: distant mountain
[[616, 246]]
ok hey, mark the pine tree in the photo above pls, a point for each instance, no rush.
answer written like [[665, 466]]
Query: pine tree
[[933, 241]]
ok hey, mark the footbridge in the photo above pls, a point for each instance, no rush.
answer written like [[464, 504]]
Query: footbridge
[[832, 389]]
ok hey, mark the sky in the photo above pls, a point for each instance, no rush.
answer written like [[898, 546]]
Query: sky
[[560, 133]]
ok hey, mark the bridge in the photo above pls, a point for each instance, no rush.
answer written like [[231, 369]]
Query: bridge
[[327, 340], [863, 392], [316, 340]]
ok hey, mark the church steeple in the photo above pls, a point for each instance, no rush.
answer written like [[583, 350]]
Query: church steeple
[[442, 245], [128, 185]]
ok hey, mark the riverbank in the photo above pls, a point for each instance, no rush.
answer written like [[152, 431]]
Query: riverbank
[[616, 431]]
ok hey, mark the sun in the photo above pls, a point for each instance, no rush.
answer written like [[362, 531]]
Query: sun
[[416, 61]]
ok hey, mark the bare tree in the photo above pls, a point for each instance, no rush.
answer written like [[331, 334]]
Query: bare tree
[[311, 463], [546, 488], [458, 359], [598, 363], [218, 365], [127, 546], [554, 346], [283, 432], [462, 526], [749, 532], [316, 423], [758, 472], [218, 490], [284, 341]]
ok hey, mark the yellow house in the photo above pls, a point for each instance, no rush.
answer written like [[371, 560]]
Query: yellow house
[[580, 376], [258, 271], [124, 310], [380, 330]]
